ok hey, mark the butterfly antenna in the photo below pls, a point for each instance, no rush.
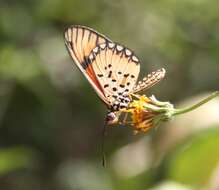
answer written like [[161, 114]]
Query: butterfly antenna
[[104, 133], [111, 118]]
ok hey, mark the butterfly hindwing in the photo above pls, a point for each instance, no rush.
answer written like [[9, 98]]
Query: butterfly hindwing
[[80, 41], [116, 69], [149, 81]]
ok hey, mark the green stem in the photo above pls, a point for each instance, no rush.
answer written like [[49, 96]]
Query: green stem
[[185, 110]]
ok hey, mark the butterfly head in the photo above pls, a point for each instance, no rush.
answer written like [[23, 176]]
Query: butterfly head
[[111, 118]]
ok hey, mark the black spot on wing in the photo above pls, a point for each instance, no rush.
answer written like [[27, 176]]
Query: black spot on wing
[[110, 74], [100, 75]]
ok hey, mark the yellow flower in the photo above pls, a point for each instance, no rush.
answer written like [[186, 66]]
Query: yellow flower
[[142, 118], [146, 113]]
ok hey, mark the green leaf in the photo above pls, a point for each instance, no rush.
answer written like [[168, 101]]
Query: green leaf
[[195, 159], [15, 158]]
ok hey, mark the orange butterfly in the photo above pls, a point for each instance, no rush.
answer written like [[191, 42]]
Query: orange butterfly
[[109, 67]]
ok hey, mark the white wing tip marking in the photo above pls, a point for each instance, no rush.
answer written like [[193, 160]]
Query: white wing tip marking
[[119, 48], [162, 72], [134, 58], [111, 45], [128, 52], [102, 46], [91, 56], [95, 50]]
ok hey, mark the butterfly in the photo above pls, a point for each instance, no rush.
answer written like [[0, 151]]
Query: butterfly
[[110, 68]]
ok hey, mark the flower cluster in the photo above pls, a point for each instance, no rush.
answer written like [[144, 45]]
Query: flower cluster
[[147, 112]]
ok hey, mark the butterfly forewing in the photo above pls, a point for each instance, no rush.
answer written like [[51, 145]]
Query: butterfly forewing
[[80, 41], [111, 69], [116, 69]]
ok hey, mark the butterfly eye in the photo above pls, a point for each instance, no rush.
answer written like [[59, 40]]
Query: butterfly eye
[[111, 118]]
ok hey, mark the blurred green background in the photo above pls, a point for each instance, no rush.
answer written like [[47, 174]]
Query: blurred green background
[[51, 119]]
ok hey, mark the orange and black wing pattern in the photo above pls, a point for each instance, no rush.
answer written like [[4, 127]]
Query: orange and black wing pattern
[[80, 41], [110, 68], [116, 68]]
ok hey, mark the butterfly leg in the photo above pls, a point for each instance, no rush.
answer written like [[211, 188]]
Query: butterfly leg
[[135, 95], [124, 120]]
